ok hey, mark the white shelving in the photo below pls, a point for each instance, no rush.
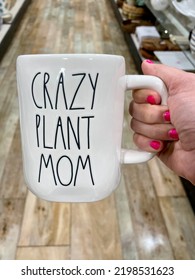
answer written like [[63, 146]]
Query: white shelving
[[8, 28]]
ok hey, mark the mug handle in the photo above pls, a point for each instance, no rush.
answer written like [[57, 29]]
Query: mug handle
[[139, 82]]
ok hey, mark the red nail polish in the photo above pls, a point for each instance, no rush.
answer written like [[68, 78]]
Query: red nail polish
[[151, 100], [149, 61], [167, 116], [155, 144], [173, 134]]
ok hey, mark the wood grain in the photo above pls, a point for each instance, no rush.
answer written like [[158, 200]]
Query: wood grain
[[94, 231], [11, 211], [45, 223], [43, 253], [13, 172], [151, 235]]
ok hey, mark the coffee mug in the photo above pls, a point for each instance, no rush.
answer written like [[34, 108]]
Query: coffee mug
[[71, 122]]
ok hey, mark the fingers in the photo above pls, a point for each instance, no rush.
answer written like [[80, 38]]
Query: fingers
[[147, 144], [152, 126], [151, 114], [150, 121], [146, 96], [163, 132]]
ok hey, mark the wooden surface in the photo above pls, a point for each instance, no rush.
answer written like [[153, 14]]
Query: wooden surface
[[148, 216]]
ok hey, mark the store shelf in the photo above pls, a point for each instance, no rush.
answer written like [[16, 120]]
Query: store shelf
[[172, 20], [178, 27], [167, 21], [129, 39], [7, 30]]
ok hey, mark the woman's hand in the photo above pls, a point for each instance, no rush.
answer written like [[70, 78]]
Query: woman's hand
[[168, 130]]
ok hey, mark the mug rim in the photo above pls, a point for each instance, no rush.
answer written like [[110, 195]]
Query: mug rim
[[70, 55]]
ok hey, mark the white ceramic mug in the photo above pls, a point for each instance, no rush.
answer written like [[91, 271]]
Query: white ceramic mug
[[71, 120]]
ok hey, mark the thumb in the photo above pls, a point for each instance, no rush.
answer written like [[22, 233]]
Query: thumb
[[169, 75]]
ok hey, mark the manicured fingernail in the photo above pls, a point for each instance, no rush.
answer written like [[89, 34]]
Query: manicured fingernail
[[167, 116], [173, 134], [151, 100], [155, 144], [149, 61]]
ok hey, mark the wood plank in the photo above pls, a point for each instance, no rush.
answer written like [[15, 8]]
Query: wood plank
[[45, 223], [180, 222], [127, 235], [13, 172], [95, 231], [43, 253], [152, 240], [8, 117], [165, 181], [186, 218], [11, 211]]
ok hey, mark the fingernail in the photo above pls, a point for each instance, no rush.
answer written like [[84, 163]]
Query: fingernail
[[149, 61], [173, 134], [151, 100], [167, 116], [155, 144]]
